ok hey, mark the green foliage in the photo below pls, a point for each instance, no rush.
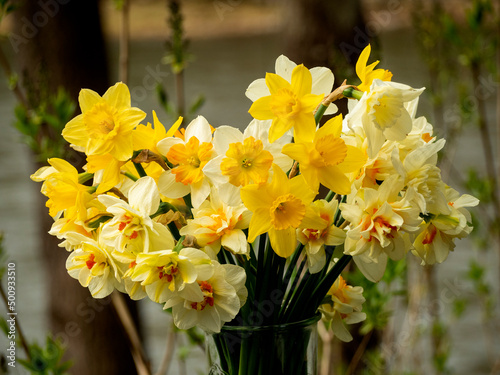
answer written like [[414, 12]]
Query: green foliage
[[6, 7], [41, 126], [46, 360], [177, 56]]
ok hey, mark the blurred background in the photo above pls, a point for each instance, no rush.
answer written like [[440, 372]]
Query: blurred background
[[197, 57]]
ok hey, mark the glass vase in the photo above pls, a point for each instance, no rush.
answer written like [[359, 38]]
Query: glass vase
[[283, 349]]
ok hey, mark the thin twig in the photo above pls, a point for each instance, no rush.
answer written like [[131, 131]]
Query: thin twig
[[359, 353], [4, 62], [169, 352], [137, 350], [20, 333], [124, 41]]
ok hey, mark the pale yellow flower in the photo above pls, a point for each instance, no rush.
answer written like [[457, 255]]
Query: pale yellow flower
[[345, 307], [379, 223], [166, 274], [216, 224], [439, 231], [317, 230], [223, 294]]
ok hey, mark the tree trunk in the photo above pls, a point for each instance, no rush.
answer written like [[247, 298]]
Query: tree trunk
[[59, 43]]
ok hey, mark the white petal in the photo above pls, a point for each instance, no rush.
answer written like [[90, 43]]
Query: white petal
[[164, 145], [170, 188], [322, 81], [199, 128], [224, 136], [144, 196], [257, 89], [284, 67]]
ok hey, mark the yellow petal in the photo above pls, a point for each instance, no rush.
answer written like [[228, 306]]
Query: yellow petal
[[301, 189], [87, 99], [75, 132], [301, 81], [283, 241], [332, 126], [261, 108], [298, 151], [118, 96], [305, 128], [259, 223], [275, 82], [278, 128], [354, 160], [333, 178]]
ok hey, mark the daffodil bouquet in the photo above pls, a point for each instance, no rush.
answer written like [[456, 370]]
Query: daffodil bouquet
[[242, 228]]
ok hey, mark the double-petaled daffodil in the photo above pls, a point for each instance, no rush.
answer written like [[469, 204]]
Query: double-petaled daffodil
[[420, 172], [62, 185], [106, 123], [437, 235], [216, 224], [383, 113], [367, 73], [189, 157], [290, 105], [326, 159], [245, 158], [131, 229], [92, 265], [379, 223], [317, 230], [345, 307], [166, 273], [223, 294], [278, 208]]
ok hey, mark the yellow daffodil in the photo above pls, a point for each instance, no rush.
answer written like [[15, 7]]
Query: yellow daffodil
[[317, 230], [278, 208], [290, 104], [223, 294], [367, 73], [327, 159], [147, 136], [106, 123], [61, 185], [345, 307]]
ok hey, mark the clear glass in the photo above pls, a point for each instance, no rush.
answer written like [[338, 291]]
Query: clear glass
[[285, 349]]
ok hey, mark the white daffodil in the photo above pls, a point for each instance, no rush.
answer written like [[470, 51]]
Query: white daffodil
[[216, 224], [322, 81], [166, 274], [439, 231], [245, 158], [223, 295], [385, 112], [188, 156], [378, 220], [345, 307], [92, 265], [317, 230], [131, 229]]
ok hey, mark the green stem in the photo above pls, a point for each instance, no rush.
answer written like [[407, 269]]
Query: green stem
[[130, 175], [352, 93], [319, 113], [140, 169]]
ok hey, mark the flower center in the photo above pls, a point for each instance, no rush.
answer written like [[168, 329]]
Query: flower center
[[190, 159], [100, 120], [208, 297], [246, 162], [285, 104], [385, 110], [287, 211], [332, 150]]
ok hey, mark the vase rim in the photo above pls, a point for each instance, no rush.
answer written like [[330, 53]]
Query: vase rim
[[276, 327]]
